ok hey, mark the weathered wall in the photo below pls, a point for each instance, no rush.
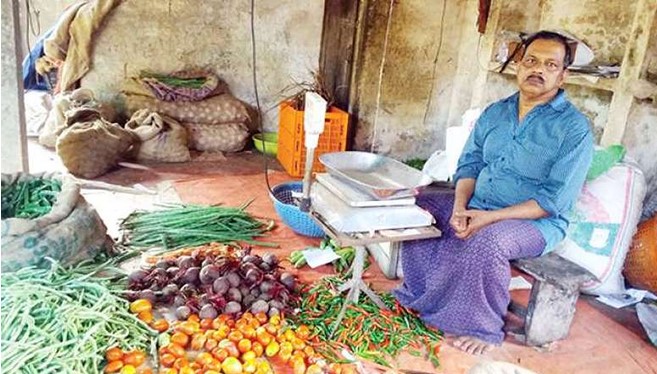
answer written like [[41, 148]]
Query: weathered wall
[[404, 112], [42, 15], [176, 34], [404, 88]]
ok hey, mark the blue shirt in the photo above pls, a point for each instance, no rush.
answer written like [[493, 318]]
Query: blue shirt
[[543, 158]]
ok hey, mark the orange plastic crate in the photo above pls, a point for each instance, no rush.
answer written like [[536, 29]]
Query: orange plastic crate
[[291, 149]]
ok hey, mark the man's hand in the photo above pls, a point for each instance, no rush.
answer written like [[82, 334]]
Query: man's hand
[[458, 221], [476, 220]]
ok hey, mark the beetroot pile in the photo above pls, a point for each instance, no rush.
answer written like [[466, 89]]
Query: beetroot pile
[[213, 280]]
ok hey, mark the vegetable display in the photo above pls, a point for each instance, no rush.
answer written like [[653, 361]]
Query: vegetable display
[[252, 343], [368, 331], [180, 226], [215, 279], [29, 199], [62, 320]]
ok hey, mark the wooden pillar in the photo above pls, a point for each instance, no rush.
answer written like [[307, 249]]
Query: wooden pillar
[[486, 51], [14, 133], [635, 54], [336, 56]]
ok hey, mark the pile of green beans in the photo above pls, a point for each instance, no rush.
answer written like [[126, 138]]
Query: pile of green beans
[[29, 199], [180, 226], [368, 331], [62, 320], [178, 82]]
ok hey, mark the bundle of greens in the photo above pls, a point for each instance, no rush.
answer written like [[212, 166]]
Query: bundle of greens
[[29, 199], [173, 81], [369, 332], [62, 320], [179, 226]]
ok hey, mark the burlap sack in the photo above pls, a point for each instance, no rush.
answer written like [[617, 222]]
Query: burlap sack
[[163, 139], [213, 110], [91, 148], [70, 233], [228, 137], [63, 104]]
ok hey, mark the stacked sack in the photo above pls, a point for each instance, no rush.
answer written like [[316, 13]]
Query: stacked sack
[[215, 120], [66, 104]]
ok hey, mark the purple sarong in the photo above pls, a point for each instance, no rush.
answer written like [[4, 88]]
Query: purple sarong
[[461, 286]]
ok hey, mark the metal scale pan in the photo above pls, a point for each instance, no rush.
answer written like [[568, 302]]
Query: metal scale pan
[[382, 177]]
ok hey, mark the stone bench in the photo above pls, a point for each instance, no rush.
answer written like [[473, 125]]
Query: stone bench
[[551, 306]]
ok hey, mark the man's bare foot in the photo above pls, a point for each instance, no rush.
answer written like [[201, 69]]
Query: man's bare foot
[[472, 345]]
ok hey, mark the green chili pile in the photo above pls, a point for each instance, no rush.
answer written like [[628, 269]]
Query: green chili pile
[[181, 226], [368, 331], [61, 320], [29, 199]]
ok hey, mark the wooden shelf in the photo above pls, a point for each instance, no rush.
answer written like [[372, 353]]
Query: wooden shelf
[[575, 79]]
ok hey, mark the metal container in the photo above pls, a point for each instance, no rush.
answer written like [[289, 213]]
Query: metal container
[[382, 177]]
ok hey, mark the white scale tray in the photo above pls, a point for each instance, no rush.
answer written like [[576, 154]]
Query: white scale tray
[[348, 219], [355, 197]]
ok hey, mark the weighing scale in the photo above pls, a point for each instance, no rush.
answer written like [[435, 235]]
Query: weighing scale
[[364, 199]]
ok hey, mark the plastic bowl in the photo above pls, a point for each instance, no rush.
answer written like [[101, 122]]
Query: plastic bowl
[[300, 222], [270, 142]]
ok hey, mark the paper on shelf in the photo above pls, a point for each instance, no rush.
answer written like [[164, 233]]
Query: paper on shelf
[[317, 257]]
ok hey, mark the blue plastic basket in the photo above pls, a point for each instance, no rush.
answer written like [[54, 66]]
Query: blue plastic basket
[[300, 222]]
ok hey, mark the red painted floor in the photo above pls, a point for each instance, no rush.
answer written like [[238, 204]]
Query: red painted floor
[[601, 340]]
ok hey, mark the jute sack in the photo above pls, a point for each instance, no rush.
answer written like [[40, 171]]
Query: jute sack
[[213, 110], [227, 137], [162, 138], [71, 232], [91, 146]]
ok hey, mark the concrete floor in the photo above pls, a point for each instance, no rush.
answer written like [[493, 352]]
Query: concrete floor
[[602, 340]]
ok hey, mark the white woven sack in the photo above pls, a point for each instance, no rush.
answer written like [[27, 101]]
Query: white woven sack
[[602, 226]]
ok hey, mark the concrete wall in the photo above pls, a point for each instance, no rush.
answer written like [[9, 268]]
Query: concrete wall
[[404, 112], [176, 34], [406, 76], [420, 95], [169, 35]]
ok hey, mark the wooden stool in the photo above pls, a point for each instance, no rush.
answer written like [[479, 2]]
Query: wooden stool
[[551, 307]]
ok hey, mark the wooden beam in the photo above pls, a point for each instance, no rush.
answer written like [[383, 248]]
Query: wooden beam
[[14, 133], [486, 50], [635, 54], [337, 48]]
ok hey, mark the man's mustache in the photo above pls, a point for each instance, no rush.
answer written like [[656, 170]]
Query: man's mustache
[[535, 76]]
